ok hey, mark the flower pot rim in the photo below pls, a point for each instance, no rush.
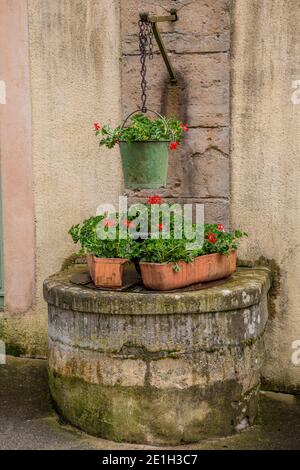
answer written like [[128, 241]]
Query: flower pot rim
[[144, 141], [109, 260], [187, 262]]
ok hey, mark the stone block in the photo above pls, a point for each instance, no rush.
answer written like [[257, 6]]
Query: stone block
[[179, 373], [215, 210], [248, 362], [96, 368], [202, 26], [215, 365], [201, 140], [203, 88], [206, 176]]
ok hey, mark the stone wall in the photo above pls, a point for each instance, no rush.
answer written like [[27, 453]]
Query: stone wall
[[265, 170], [199, 44]]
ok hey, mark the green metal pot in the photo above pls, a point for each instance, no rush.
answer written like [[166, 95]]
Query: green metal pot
[[145, 164]]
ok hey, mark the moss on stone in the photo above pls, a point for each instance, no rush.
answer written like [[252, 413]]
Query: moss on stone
[[144, 414], [230, 295], [24, 334], [72, 260], [275, 277], [154, 400]]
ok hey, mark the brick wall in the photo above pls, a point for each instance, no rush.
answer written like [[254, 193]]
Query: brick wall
[[199, 45]]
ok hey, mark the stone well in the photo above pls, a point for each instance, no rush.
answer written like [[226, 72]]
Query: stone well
[[158, 368]]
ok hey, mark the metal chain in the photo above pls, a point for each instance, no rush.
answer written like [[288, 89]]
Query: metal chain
[[146, 48], [150, 36]]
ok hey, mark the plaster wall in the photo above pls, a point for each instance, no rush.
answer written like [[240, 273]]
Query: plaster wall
[[16, 158], [73, 50], [265, 170]]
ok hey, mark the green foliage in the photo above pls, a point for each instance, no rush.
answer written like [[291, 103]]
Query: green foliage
[[112, 247], [161, 250], [151, 250], [142, 129], [225, 241]]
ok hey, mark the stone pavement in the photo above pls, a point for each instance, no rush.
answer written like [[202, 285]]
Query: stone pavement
[[27, 420]]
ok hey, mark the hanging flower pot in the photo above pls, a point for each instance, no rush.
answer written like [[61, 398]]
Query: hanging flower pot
[[145, 164], [144, 144], [144, 147]]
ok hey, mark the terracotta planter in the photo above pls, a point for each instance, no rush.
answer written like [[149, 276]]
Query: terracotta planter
[[106, 272], [204, 268]]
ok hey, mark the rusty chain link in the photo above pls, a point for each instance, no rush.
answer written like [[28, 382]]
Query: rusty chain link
[[146, 48]]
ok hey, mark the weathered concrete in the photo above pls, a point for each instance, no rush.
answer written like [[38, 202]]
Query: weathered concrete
[[28, 422], [158, 368], [265, 171]]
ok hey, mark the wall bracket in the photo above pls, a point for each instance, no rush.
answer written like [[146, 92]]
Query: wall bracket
[[154, 20]]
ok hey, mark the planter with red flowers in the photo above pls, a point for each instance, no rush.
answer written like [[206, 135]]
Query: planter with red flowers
[[106, 257], [163, 253], [144, 146], [170, 263]]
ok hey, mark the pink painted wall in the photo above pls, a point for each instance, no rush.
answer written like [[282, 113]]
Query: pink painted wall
[[16, 157]]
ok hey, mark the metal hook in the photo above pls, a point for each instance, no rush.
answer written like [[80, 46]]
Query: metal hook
[[159, 19]]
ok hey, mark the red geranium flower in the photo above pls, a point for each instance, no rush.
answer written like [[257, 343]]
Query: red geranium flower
[[211, 237], [173, 145], [160, 227], [109, 223], [154, 200], [97, 126], [116, 141], [128, 223], [184, 127], [220, 227]]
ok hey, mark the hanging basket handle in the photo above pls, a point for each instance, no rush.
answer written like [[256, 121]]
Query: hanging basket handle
[[140, 111]]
